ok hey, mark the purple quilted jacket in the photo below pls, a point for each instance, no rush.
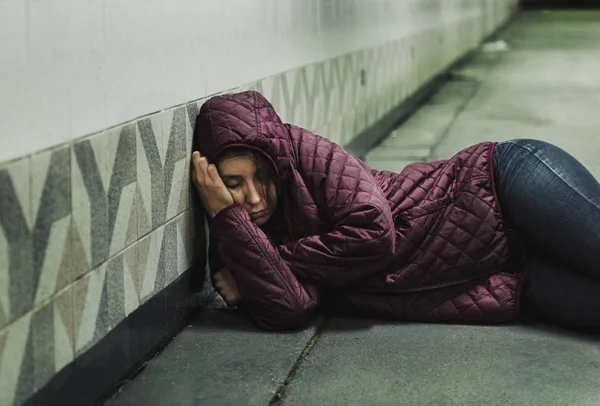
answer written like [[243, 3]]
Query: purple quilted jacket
[[427, 244]]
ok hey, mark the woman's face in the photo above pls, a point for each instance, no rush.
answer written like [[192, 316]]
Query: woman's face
[[247, 188]]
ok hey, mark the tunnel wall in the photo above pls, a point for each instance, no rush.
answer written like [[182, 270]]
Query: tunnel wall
[[97, 238]]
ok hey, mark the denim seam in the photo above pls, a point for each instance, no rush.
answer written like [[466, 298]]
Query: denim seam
[[530, 150]]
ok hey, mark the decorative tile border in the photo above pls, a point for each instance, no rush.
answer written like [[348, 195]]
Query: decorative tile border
[[41, 343], [88, 233]]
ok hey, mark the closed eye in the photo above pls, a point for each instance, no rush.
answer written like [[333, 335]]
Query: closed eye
[[232, 181]]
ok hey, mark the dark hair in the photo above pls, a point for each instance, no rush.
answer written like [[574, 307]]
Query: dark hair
[[265, 171]]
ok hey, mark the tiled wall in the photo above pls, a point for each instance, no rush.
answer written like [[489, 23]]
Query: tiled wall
[[92, 228], [90, 231]]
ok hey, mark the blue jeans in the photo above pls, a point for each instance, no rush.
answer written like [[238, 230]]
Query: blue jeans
[[553, 203]]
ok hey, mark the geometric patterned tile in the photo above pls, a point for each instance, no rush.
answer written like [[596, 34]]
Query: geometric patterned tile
[[193, 109], [35, 348], [150, 276], [150, 174], [122, 215], [16, 370], [177, 161], [131, 279], [32, 248], [168, 261], [89, 306], [51, 203], [90, 180], [17, 284], [183, 242]]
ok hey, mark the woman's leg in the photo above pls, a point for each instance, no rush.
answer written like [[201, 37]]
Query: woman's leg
[[554, 204], [552, 201], [557, 294]]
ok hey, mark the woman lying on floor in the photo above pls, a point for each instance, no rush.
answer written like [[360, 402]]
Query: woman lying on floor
[[297, 223]]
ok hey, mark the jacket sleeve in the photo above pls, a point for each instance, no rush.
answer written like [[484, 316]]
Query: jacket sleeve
[[362, 237], [271, 294]]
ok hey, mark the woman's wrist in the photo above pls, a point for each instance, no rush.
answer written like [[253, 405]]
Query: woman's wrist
[[215, 213], [223, 210]]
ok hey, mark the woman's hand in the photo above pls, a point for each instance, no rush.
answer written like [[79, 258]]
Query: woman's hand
[[210, 187], [226, 286]]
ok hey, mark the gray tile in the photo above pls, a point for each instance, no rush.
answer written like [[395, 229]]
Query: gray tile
[[183, 242], [150, 156], [25, 371], [51, 202], [103, 322], [168, 264], [89, 177], [177, 161], [192, 109], [16, 362], [90, 309], [132, 279], [17, 281], [150, 276], [42, 339], [2, 342], [64, 334], [115, 291], [122, 187]]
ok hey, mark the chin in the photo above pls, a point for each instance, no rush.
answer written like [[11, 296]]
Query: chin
[[261, 221]]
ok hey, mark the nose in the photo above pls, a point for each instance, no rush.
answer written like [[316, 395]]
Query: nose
[[253, 196]]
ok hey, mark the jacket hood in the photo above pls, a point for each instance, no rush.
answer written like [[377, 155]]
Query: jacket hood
[[247, 120]]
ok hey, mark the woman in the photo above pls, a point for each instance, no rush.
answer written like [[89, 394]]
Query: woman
[[296, 222]]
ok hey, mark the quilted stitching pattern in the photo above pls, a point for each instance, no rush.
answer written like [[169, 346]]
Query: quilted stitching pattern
[[376, 235], [492, 300]]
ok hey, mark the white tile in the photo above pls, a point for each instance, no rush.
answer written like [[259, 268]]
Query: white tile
[[102, 63], [50, 67], [84, 33], [13, 41], [182, 54], [15, 104], [132, 72]]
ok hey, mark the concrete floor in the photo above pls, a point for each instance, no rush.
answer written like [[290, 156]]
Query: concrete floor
[[547, 86]]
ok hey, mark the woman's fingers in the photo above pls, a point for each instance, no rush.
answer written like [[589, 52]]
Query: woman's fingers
[[213, 173], [198, 175], [200, 167], [203, 163]]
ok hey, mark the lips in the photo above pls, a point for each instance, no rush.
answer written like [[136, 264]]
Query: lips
[[258, 214]]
